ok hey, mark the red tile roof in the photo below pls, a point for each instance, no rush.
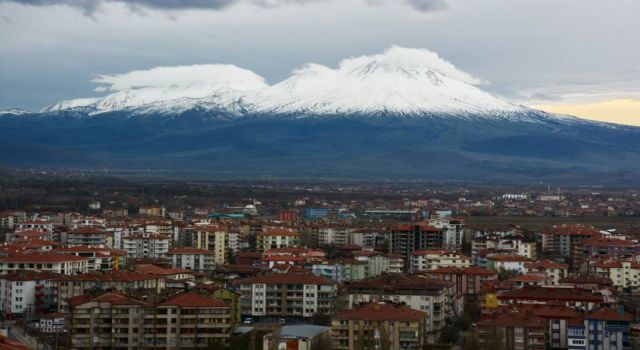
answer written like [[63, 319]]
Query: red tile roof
[[550, 294], [41, 258], [188, 299], [187, 250], [88, 230], [160, 271], [109, 276], [514, 319], [29, 275], [608, 314], [286, 279], [278, 232], [381, 312], [546, 264], [508, 257], [471, 270], [607, 242]]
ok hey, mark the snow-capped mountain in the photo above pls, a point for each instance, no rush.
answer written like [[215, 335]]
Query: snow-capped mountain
[[400, 80], [402, 113], [13, 112]]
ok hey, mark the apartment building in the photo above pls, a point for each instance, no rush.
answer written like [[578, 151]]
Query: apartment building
[[89, 236], [58, 263], [406, 239], [26, 292], [114, 320], [379, 326], [453, 230], [146, 245], [199, 260], [100, 259], [625, 274], [435, 297], [217, 240], [286, 295], [604, 328], [276, 238], [427, 260], [468, 280], [553, 271], [512, 330]]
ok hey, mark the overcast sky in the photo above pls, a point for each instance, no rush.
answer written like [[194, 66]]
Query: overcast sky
[[551, 53]]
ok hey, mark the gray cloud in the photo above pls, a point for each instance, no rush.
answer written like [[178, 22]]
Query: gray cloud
[[90, 6]]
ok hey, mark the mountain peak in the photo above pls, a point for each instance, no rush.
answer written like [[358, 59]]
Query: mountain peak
[[399, 80]]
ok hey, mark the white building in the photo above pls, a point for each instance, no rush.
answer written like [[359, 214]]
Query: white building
[[146, 245], [26, 292], [428, 260], [453, 231], [58, 263], [199, 260]]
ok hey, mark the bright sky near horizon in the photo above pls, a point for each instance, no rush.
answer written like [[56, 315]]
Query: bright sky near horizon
[[578, 57]]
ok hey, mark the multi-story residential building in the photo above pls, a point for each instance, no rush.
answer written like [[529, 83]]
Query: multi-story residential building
[[11, 219], [216, 239], [36, 225], [368, 237], [453, 229], [333, 235], [146, 245], [528, 249], [100, 259], [89, 236], [605, 329], [575, 298], [159, 227], [379, 326], [116, 321], [286, 295], [562, 240], [427, 260], [435, 297], [512, 330], [26, 292], [406, 239], [605, 248], [276, 238], [52, 323], [68, 286], [468, 280], [377, 262], [553, 271], [509, 263], [625, 274], [341, 271], [199, 260], [58, 263]]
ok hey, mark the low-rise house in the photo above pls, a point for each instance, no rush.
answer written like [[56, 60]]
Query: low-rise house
[[52, 323], [379, 326], [298, 337]]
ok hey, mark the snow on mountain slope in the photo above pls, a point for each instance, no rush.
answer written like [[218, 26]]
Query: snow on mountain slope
[[180, 86], [399, 80], [12, 112]]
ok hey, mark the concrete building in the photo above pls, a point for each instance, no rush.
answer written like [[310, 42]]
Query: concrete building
[[113, 320], [146, 245], [58, 263], [286, 295], [276, 238], [199, 260], [298, 337], [379, 326], [427, 260]]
